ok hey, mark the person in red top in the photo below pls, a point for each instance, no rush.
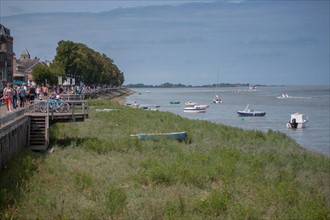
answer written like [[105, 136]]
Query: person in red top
[[7, 95], [45, 90]]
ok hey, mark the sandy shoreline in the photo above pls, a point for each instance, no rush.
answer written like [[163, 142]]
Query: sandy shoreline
[[117, 95]]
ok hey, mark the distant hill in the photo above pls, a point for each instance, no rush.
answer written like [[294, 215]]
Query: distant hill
[[172, 85]]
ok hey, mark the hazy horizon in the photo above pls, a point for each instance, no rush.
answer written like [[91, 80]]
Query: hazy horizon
[[187, 42]]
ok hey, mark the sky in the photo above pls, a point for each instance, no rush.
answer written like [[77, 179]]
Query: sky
[[182, 41]]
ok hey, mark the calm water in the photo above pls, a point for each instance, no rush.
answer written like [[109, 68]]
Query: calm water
[[312, 101]]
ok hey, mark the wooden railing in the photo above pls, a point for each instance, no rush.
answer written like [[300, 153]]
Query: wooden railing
[[4, 120], [78, 110]]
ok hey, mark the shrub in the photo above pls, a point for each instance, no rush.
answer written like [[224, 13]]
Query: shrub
[[115, 200]]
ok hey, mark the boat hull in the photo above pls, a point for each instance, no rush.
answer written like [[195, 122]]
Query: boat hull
[[180, 136], [194, 110], [250, 114], [295, 125], [217, 101]]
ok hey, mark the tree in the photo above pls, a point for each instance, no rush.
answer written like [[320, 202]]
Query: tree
[[66, 58], [43, 75], [83, 63]]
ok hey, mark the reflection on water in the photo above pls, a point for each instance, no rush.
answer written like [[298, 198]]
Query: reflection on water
[[312, 101]]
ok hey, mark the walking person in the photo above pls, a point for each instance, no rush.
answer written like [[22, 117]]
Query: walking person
[[15, 96], [32, 94], [38, 92], [22, 95], [7, 94], [45, 91]]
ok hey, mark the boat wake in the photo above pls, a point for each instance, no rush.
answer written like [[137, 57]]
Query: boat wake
[[293, 97]]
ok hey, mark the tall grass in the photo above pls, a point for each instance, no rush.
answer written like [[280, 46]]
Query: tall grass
[[98, 171]]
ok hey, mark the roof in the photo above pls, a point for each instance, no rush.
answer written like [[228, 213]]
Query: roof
[[26, 65], [25, 52]]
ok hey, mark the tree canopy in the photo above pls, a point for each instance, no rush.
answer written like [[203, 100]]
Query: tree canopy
[[43, 74], [78, 61]]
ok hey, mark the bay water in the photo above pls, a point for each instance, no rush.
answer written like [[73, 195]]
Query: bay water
[[312, 101]]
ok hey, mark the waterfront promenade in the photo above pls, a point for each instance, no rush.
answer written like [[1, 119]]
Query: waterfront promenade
[[3, 110]]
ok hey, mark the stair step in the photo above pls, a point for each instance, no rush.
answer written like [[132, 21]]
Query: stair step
[[38, 147], [38, 129]]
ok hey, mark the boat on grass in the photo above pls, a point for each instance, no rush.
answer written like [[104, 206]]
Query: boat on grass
[[105, 110], [250, 112], [180, 136], [297, 120]]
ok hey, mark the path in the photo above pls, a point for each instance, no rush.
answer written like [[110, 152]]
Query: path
[[3, 110]]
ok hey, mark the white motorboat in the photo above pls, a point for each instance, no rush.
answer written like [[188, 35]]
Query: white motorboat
[[297, 120], [192, 107], [252, 88], [284, 96], [217, 100]]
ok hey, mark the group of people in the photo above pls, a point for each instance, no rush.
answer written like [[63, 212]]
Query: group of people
[[18, 96]]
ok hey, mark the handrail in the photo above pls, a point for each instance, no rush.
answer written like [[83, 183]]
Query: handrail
[[73, 99], [11, 117]]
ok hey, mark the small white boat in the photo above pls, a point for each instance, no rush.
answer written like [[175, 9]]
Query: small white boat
[[297, 120], [136, 105], [217, 100], [192, 107], [190, 103], [252, 88], [284, 96]]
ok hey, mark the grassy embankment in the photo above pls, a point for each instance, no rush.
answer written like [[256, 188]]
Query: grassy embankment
[[97, 171]]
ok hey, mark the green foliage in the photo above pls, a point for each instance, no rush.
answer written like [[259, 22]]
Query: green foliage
[[84, 64], [213, 204], [15, 179], [43, 75], [98, 171], [115, 200], [176, 208], [83, 180]]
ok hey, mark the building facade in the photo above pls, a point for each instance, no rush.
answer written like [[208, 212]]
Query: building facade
[[6, 55], [24, 66]]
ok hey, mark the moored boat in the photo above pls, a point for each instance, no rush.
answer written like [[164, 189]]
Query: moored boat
[[134, 105], [192, 107], [250, 112], [175, 102], [180, 136], [284, 96], [217, 100], [297, 120], [252, 88]]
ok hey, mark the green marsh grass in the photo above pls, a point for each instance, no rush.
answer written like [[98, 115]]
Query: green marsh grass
[[97, 171]]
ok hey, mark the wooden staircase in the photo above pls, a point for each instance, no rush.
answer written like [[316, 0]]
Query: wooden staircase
[[38, 133]]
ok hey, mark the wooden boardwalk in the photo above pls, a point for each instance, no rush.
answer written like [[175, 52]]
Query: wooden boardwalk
[[29, 127]]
